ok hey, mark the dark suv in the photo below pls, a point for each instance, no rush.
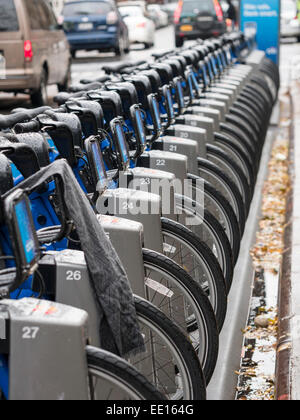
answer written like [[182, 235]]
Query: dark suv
[[198, 19]]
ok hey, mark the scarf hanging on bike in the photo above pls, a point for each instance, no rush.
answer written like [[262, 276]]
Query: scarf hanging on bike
[[119, 330]]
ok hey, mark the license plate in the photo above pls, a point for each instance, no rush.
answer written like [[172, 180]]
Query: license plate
[[2, 66], [85, 26], [186, 28]]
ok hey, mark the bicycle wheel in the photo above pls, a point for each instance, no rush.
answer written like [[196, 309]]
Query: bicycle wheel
[[243, 125], [226, 187], [182, 246], [112, 378], [208, 230], [170, 361], [238, 155], [241, 138], [176, 294], [220, 208], [232, 170]]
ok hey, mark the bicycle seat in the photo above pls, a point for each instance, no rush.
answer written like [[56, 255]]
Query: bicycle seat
[[101, 79], [62, 98], [63, 135], [175, 65], [165, 72], [157, 55], [71, 121], [9, 121], [38, 143], [88, 119], [154, 79], [22, 155], [110, 102], [128, 94], [80, 87], [31, 113], [116, 68]]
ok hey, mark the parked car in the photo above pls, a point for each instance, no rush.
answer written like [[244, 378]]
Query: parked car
[[198, 19], [95, 25], [290, 24], [141, 27], [161, 16], [34, 49]]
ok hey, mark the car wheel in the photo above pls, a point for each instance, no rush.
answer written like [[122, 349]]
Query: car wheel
[[127, 49], [179, 42], [148, 45], [120, 48], [63, 87], [40, 97], [298, 38], [73, 54]]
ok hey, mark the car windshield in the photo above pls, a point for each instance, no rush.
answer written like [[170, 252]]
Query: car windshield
[[131, 11], [198, 6], [8, 16], [98, 8]]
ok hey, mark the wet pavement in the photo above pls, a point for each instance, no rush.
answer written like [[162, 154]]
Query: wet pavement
[[88, 65]]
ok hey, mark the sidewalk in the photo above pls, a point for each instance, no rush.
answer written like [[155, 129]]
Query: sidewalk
[[288, 351]]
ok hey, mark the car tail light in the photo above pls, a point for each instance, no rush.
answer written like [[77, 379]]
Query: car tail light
[[141, 25], [219, 11], [178, 11], [112, 18], [28, 51]]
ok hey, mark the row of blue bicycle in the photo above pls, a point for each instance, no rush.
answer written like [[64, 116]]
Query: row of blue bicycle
[[122, 212]]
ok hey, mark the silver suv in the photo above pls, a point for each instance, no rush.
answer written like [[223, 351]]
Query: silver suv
[[34, 51]]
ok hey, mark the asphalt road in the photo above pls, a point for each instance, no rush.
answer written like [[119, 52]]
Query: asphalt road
[[88, 65]]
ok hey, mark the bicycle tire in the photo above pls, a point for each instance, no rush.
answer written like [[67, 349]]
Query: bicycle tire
[[220, 208], [149, 315], [205, 334], [226, 143], [257, 104], [109, 365], [236, 131], [243, 125], [233, 171], [226, 187], [213, 275], [209, 231], [244, 100], [230, 131], [248, 115]]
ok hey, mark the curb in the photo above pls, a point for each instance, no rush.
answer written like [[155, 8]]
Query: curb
[[284, 344], [288, 351]]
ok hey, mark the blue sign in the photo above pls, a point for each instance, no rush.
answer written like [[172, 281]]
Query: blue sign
[[263, 18]]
